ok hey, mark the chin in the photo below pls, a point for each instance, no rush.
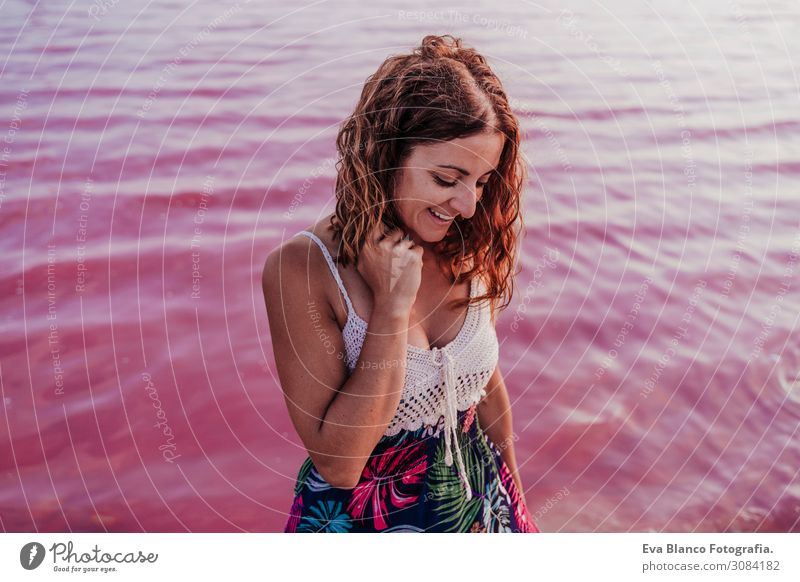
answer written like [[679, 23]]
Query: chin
[[432, 232], [431, 235], [422, 230]]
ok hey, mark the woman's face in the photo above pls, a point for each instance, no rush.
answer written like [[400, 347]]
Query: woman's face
[[446, 178]]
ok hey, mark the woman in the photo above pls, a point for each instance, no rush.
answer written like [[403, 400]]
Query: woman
[[404, 413]]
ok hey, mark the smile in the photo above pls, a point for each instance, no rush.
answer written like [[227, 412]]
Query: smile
[[440, 218]]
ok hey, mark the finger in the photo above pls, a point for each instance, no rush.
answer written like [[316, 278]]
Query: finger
[[395, 235], [377, 233], [413, 243]]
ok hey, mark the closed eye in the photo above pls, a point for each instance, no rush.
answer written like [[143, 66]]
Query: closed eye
[[444, 183]]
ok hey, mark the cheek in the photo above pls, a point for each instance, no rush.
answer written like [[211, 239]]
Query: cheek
[[415, 195]]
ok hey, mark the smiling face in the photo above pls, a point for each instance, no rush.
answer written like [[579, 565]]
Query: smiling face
[[446, 178]]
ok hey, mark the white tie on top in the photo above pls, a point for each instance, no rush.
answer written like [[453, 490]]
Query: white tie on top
[[451, 415], [439, 381]]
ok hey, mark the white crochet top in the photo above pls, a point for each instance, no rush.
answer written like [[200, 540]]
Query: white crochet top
[[438, 381]]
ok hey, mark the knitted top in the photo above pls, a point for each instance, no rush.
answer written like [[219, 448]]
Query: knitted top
[[438, 381]]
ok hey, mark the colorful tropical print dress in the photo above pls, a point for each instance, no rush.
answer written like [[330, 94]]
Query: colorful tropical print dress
[[406, 486]]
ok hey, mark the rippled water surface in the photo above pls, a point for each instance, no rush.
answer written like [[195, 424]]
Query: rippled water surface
[[152, 156]]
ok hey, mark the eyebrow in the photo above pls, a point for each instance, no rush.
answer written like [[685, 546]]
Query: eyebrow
[[462, 170]]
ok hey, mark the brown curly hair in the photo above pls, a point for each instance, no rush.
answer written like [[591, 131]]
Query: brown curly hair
[[440, 91]]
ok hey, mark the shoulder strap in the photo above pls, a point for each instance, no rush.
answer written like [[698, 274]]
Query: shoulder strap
[[331, 265]]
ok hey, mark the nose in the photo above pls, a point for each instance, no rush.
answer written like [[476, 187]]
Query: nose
[[465, 200]]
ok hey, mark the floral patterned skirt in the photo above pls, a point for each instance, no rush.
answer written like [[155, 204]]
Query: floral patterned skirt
[[407, 487]]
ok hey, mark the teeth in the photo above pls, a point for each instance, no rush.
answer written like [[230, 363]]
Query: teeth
[[442, 216]]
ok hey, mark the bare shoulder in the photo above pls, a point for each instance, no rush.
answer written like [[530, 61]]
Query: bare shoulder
[[299, 247], [289, 265], [293, 272]]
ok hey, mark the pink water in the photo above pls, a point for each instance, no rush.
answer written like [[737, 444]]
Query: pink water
[[151, 157]]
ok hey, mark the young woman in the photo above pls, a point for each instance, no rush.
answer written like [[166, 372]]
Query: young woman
[[382, 314]]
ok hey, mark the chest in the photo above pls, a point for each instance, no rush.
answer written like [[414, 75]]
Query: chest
[[432, 322]]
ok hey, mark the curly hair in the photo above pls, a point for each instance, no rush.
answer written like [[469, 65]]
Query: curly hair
[[439, 92]]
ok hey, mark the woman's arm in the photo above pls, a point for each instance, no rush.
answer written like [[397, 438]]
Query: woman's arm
[[339, 417], [494, 415]]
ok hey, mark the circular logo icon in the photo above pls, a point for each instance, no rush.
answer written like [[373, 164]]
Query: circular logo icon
[[31, 555]]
